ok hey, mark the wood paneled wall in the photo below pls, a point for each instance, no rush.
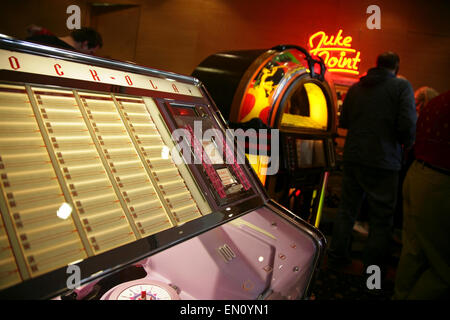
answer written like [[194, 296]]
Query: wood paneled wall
[[176, 35]]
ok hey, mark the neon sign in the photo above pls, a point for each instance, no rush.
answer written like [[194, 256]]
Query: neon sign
[[336, 52]]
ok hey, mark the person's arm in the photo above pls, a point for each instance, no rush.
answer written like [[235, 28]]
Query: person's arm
[[407, 116]]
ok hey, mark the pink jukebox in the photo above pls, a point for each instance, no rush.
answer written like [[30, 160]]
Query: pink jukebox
[[288, 92], [120, 182]]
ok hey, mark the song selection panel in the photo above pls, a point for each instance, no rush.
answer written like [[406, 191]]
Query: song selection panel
[[180, 202], [32, 192], [128, 170], [9, 272], [81, 173], [95, 200]]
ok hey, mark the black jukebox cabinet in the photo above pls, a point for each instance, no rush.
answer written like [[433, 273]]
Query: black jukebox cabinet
[[120, 182], [283, 88]]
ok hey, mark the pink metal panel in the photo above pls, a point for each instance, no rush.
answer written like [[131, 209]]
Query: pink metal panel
[[243, 259]]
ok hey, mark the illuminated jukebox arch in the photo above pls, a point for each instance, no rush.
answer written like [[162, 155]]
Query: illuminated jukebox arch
[[281, 88]]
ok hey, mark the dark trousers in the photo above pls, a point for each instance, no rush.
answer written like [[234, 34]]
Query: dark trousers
[[423, 272], [379, 187]]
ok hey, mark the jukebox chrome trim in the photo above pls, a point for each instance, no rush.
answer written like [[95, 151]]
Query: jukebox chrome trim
[[34, 48]]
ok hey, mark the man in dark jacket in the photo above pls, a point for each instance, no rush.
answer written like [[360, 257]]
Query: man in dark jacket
[[379, 113]]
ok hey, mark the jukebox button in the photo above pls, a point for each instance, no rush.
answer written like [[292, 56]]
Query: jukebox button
[[248, 285], [268, 268]]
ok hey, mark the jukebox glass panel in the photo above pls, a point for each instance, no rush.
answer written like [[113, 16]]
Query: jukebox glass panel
[[310, 153]]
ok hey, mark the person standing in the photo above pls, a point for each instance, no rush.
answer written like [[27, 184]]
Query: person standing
[[380, 115], [423, 95], [423, 271], [84, 40]]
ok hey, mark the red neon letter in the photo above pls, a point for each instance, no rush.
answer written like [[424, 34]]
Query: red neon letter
[[14, 62], [333, 50], [175, 88], [94, 75], [58, 70], [355, 61], [128, 79], [347, 41], [154, 87], [339, 38]]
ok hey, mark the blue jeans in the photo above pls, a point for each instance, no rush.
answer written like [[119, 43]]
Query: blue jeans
[[379, 186]]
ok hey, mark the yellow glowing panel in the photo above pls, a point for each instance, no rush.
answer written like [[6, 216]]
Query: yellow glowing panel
[[318, 104], [259, 165], [318, 113]]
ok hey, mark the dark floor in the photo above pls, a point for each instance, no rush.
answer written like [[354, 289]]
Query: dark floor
[[350, 283]]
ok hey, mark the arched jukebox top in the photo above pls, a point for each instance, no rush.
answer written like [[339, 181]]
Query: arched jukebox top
[[283, 87]]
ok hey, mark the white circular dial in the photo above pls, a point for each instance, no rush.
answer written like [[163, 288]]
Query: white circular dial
[[144, 292], [141, 289]]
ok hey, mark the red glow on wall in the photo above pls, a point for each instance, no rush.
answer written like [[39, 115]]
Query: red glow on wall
[[336, 51]]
